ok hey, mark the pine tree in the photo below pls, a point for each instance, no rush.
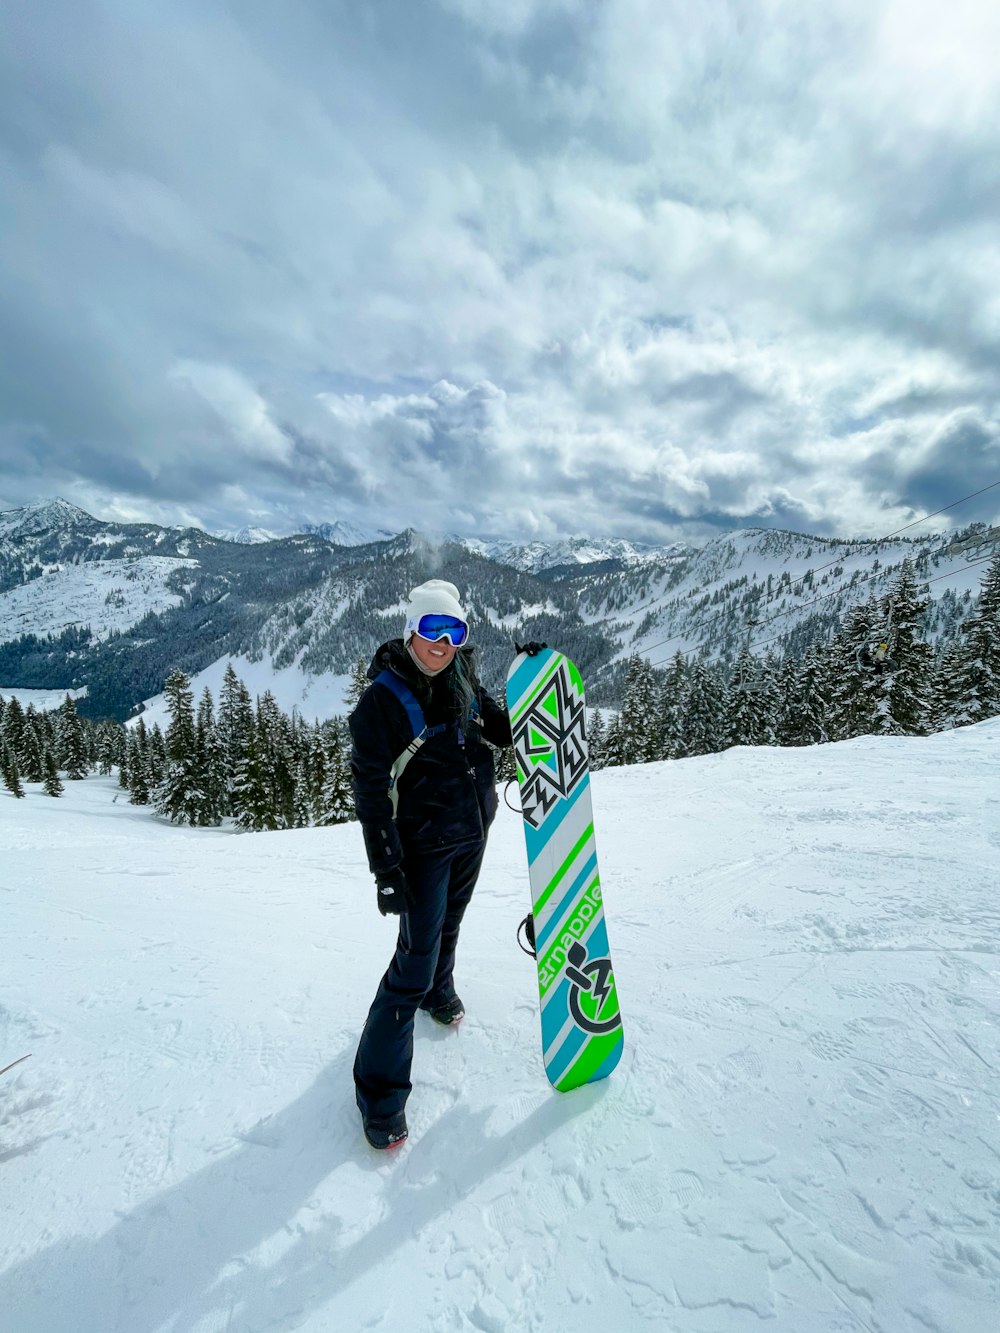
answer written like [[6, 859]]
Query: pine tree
[[359, 682], [616, 743], [211, 763], [906, 690], [8, 771], [12, 734], [596, 735], [52, 784], [31, 758], [747, 712], [275, 749], [855, 688], [137, 765], [637, 722], [978, 682], [234, 725], [110, 747], [72, 744], [253, 798], [302, 804], [336, 804], [180, 794], [946, 690], [704, 719], [670, 707]]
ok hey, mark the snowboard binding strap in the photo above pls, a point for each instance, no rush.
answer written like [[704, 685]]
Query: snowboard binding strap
[[528, 926]]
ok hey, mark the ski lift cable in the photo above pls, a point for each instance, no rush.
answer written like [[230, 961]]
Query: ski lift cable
[[763, 643], [819, 569]]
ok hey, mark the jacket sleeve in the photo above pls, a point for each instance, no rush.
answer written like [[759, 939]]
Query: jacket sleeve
[[375, 746], [495, 720]]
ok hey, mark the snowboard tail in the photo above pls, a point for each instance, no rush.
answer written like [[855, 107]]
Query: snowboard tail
[[581, 1022]]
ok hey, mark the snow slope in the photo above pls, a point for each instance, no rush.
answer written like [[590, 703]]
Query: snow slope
[[802, 1135], [104, 596], [316, 698]]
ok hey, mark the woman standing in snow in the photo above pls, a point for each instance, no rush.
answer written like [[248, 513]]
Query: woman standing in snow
[[425, 793]]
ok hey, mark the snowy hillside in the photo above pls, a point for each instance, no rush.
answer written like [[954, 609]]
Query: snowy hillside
[[341, 533], [247, 536], [307, 603], [766, 585], [103, 596], [802, 1135], [536, 557]]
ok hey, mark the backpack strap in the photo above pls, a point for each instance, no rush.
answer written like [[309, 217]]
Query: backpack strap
[[421, 731]]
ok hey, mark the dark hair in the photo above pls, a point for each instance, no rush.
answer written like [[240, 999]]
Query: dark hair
[[462, 679]]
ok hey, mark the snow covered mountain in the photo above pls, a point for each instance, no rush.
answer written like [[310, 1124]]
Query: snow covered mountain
[[248, 536], [32, 520], [539, 557], [113, 607], [347, 534]]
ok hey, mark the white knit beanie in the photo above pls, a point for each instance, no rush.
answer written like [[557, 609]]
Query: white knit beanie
[[435, 597]]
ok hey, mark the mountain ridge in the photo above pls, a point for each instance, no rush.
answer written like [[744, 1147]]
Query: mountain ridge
[[114, 607]]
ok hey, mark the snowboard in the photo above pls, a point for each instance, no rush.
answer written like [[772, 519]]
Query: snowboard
[[581, 1023]]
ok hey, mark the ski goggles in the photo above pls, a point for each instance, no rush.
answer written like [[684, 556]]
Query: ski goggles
[[436, 627]]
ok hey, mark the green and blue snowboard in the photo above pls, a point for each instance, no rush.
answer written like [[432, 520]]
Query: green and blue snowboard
[[581, 1023]]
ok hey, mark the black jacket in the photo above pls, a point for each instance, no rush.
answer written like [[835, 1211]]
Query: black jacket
[[447, 792]]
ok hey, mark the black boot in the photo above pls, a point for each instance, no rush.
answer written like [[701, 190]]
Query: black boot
[[386, 1131], [449, 1012]]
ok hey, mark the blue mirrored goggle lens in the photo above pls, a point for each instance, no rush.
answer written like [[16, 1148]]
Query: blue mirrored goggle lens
[[443, 627]]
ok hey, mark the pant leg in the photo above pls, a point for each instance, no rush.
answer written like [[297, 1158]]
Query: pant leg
[[385, 1052], [461, 882]]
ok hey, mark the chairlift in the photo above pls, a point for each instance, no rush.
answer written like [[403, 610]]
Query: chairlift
[[980, 544], [876, 654], [744, 682]]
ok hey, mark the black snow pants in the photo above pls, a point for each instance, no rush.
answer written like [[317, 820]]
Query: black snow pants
[[420, 974]]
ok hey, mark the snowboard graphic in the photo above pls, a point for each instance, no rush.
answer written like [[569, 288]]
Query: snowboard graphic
[[581, 1025]]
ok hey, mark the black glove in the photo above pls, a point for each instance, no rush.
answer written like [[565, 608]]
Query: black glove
[[394, 894], [532, 649]]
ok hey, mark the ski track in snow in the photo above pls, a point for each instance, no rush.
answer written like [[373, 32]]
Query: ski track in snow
[[802, 1134]]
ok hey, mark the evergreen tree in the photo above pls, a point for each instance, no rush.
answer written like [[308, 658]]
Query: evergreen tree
[[53, 786], [234, 726], [12, 735], [137, 765], [637, 721], [211, 763], [978, 682], [275, 751], [616, 743], [253, 797], [747, 713], [855, 689], [336, 804], [596, 739], [31, 757], [359, 682], [670, 708], [181, 792], [71, 742], [704, 720], [8, 771], [906, 690], [947, 688], [302, 804], [110, 747]]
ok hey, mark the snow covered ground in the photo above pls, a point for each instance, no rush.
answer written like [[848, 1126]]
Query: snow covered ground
[[803, 1135]]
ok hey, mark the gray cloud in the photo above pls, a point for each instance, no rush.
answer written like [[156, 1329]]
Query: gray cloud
[[516, 268]]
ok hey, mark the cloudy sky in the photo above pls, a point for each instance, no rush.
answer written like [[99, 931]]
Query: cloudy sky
[[521, 268]]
